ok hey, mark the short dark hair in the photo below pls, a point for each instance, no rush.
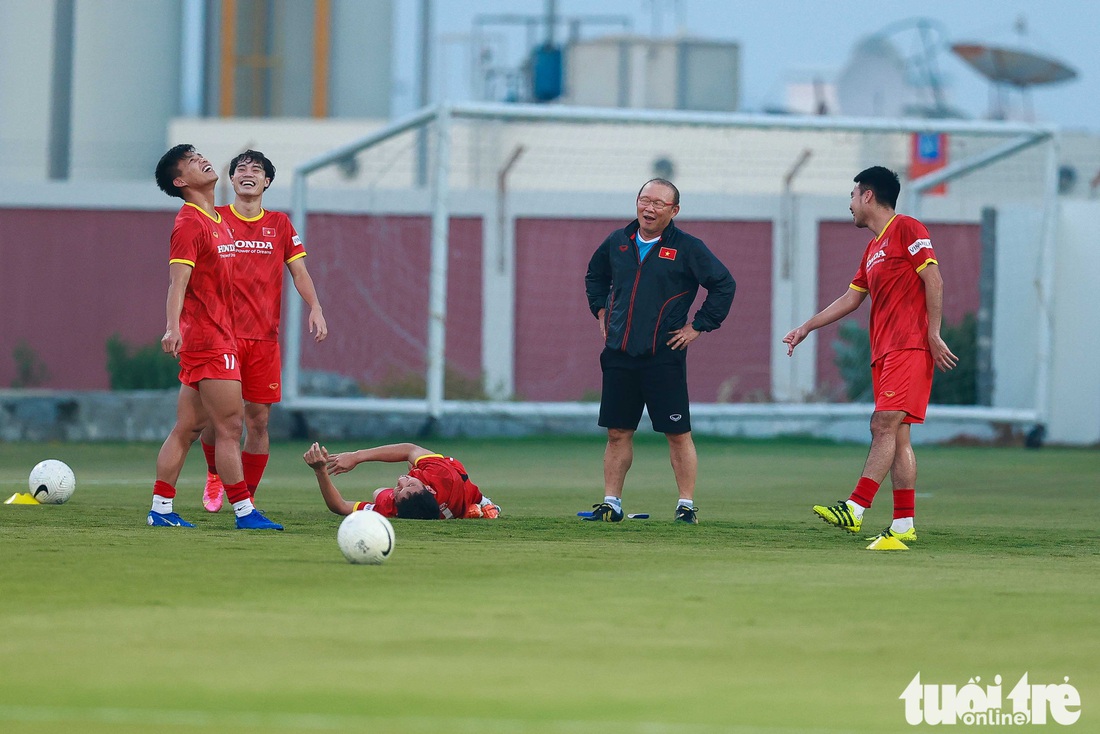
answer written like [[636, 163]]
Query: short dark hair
[[168, 168], [254, 156], [418, 506], [663, 182], [882, 182]]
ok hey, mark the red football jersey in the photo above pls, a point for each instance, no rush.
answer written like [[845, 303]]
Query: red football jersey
[[206, 244], [453, 489], [265, 245], [889, 273]]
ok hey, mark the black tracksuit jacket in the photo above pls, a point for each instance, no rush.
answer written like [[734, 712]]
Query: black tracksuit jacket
[[646, 300]]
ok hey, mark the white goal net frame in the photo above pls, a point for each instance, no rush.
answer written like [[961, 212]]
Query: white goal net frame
[[435, 161]]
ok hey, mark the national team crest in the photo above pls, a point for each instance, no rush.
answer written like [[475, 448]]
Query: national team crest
[[269, 231], [667, 253]]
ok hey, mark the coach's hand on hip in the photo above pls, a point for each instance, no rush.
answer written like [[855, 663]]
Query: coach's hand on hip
[[682, 337]]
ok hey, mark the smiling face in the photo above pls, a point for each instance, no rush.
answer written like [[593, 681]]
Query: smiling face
[[655, 209], [249, 178], [859, 205], [195, 171]]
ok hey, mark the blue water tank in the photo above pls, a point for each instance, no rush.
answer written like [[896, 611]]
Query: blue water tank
[[546, 72]]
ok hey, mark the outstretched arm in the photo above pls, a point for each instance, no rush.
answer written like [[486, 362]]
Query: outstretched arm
[[836, 310], [390, 453], [317, 457]]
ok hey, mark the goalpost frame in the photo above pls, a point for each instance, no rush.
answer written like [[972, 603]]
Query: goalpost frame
[[434, 406]]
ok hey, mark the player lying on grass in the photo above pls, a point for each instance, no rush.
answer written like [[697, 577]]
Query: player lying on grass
[[436, 487]]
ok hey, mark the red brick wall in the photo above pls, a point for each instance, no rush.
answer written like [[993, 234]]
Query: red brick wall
[[71, 278]]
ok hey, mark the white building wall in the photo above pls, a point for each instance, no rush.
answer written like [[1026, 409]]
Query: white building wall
[[126, 80], [1019, 235], [125, 86], [362, 59], [26, 46], [1075, 356]]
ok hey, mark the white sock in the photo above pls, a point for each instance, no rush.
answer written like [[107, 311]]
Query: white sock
[[902, 524], [685, 503], [615, 502], [163, 505], [242, 508], [857, 510]]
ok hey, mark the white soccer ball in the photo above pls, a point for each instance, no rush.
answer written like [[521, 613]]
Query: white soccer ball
[[365, 537], [52, 482]]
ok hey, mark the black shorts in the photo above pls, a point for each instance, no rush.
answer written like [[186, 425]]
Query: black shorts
[[658, 383]]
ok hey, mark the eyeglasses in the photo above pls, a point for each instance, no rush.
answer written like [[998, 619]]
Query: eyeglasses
[[657, 204]]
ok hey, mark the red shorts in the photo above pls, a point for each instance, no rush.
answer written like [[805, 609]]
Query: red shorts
[[261, 370], [902, 380], [208, 364]]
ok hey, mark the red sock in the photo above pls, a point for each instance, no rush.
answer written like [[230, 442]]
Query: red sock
[[254, 465], [209, 451], [164, 489], [905, 501], [865, 491], [237, 492]]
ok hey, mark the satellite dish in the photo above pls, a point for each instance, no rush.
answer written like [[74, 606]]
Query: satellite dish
[[1012, 64]]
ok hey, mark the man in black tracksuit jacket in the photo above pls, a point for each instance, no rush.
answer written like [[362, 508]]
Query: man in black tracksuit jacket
[[641, 283]]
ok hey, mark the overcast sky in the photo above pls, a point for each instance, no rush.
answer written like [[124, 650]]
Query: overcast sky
[[784, 40]]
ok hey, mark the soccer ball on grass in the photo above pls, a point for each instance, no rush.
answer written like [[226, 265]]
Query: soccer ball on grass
[[52, 482], [365, 537]]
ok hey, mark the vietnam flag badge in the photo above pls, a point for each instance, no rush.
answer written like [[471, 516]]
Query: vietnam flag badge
[[667, 253]]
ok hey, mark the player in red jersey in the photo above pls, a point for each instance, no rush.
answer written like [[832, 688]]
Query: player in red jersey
[[200, 333], [436, 487], [265, 243], [900, 272]]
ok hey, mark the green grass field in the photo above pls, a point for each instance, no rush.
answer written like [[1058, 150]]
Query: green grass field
[[760, 619]]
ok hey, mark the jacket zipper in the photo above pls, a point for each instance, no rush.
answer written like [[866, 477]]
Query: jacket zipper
[[630, 310]]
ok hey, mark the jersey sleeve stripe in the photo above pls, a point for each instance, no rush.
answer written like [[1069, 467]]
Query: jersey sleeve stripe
[[855, 287], [929, 261], [181, 261], [427, 456], [300, 254]]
